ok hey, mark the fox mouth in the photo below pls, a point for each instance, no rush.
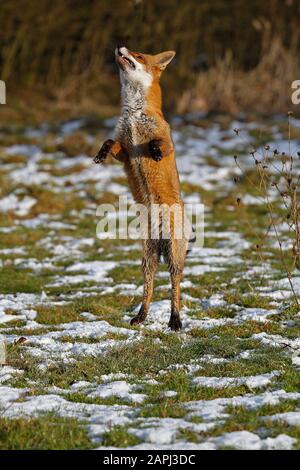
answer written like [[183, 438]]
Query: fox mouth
[[122, 59]]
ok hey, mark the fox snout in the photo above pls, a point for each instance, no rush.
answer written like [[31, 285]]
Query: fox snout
[[139, 68], [124, 58]]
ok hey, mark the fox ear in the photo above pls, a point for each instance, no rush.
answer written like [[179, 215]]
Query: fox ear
[[164, 58]]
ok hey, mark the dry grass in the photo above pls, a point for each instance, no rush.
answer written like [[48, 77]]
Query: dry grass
[[265, 89], [232, 59]]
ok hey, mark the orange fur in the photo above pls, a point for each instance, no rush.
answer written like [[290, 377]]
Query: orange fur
[[144, 144]]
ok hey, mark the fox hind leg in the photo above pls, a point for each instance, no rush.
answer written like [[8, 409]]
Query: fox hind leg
[[149, 265], [175, 322], [175, 257]]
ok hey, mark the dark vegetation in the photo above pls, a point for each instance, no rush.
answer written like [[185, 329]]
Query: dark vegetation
[[231, 55]]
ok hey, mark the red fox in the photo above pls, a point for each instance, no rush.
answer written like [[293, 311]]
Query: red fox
[[143, 143]]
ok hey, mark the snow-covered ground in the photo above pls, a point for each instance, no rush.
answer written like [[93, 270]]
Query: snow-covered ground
[[53, 266]]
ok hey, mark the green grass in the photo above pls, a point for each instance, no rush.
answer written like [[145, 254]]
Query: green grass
[[118, 436], [227, 346], [57, 315], [258, 364], [81, 398], [255, 420], [14, 280], [164, 409], [106, 337], [188, 435], [253, 300], [105, 307], [47, 432], [151, 355], [242, 419], [242, 331], [128, 274], [181, 382]]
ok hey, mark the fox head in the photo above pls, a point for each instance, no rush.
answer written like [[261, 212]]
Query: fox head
[[142, 69]]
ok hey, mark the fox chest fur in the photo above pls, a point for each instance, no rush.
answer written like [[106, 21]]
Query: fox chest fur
[[149, 181]]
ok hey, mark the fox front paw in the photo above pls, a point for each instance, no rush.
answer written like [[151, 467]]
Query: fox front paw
[[155, 151], [104, 151]]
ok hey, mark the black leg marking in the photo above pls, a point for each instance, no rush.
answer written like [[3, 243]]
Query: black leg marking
[[155, 150], [175, 322], [139, 318], [104, 151]]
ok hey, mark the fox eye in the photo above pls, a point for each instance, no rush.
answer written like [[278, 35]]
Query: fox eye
[[140, 57]]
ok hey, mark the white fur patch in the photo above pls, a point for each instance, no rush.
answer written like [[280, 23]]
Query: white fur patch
[[133, 121], [139, 74], [133, 95]]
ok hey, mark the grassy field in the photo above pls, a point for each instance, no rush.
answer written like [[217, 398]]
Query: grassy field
[[77, 374]]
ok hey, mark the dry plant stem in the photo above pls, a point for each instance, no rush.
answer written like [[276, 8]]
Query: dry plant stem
[[271, 213], [251, 227], [285, 346], [286, 172]]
